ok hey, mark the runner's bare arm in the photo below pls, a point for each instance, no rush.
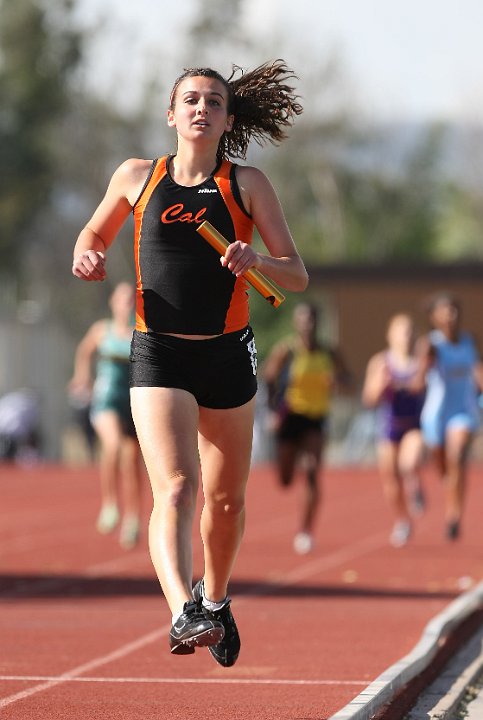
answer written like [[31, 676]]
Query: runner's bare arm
[[283, 264], [110, 215]]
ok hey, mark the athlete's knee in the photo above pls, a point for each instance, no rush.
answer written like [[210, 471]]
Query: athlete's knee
[[285, 478], [313, 483], [109, 454], [456, 456], [286, 471], [178, 490], [226, 505]]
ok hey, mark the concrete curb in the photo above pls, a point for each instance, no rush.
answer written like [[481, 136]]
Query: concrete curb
[[385, 687], [441, 700]]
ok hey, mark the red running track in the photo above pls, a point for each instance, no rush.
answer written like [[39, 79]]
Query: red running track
[[83, 624]]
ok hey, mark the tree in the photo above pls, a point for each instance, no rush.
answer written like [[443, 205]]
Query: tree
[[38, 54], [216, 31], [58, 147]]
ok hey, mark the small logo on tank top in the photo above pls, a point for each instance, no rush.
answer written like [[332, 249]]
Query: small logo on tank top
[[207, 190]]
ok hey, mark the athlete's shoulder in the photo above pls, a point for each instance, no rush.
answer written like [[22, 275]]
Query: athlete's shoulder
[[255, 188], [133, 169], [283, 349], [436, 337], [252, 175], [130, 177], [467, 337], [96, 332], [102, 325]]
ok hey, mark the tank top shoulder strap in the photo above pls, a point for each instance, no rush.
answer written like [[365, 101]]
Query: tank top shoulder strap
[[225, 178], [156, 173]]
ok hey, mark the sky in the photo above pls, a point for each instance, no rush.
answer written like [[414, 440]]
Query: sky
[[417, 60]]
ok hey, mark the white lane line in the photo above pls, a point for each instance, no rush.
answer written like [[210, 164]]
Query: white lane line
[[25, 585], [316, 566], [44, 538], [121, 562], [86, 667], [168, 680], [328, 562]]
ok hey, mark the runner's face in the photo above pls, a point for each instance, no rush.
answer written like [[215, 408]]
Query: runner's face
[[445, 316], [305, 320], [200, 109], [400, 334], [122, 301]]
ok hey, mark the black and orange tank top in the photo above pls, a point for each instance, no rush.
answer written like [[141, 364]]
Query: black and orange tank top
[[181, 286]]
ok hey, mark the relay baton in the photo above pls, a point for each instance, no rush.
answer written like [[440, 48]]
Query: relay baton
[[257, 279]]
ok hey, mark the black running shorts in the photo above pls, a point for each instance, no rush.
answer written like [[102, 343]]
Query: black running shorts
[[220, 372], [294, 428]]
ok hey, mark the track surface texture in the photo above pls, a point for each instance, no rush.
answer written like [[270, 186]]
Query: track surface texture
[[83, 623]]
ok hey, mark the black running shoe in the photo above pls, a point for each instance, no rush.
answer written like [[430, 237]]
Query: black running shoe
[[227, 650], [453, 530], [193, 628]]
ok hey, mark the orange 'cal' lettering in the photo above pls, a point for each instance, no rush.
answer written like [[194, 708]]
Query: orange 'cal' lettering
[[175, 214]]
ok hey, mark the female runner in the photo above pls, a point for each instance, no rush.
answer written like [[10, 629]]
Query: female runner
[[193, 372]]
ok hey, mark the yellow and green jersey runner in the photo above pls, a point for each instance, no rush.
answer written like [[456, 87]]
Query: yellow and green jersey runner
[[309, 382]]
